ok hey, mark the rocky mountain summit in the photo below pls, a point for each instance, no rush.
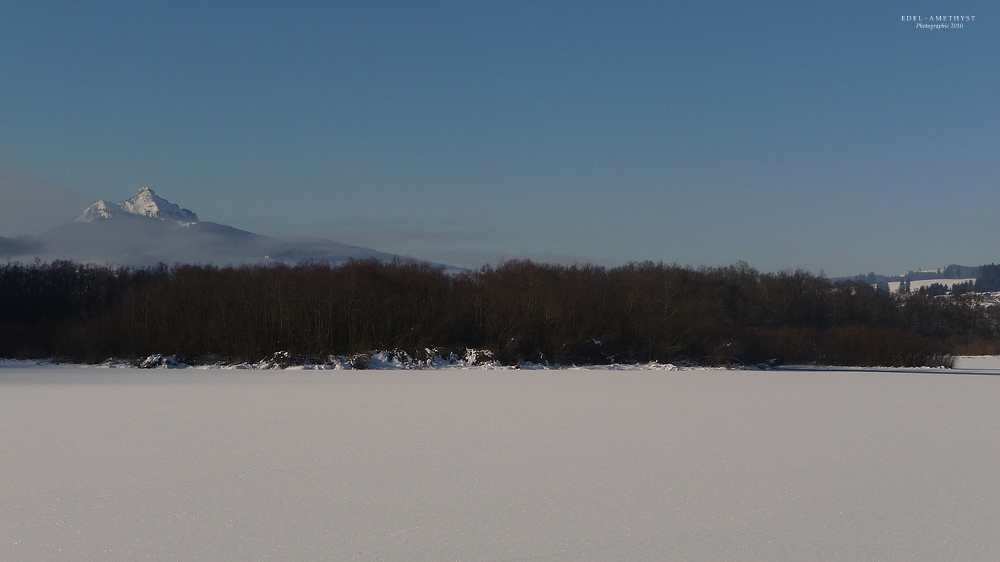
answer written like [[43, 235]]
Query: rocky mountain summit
[[145, 203]]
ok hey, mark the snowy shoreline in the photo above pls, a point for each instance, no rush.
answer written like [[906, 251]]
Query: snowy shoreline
[[386, 361]]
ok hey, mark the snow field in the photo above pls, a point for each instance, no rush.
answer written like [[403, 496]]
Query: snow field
[[916, 285], [468, 464]]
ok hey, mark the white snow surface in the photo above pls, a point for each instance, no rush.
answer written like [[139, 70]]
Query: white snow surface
[[476, 464], [916, 285], [145, 203]]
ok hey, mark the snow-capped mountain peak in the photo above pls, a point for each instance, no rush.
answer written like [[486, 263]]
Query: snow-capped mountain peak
[[145, 203], [148, 230]]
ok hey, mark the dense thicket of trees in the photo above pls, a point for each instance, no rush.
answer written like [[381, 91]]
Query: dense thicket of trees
[[522, 311], [988, 278]]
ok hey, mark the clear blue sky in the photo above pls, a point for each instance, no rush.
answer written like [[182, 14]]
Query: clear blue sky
[[824, 136]]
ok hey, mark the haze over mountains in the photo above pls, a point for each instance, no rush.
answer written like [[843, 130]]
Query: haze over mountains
[[147, 229]]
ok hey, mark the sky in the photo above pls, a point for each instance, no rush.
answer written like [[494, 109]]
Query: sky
[[837, 138]]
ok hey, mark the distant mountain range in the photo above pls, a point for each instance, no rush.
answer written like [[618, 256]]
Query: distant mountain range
[[147, 229]]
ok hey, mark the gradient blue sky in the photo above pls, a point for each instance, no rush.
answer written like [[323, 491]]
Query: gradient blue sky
[[824, 136]]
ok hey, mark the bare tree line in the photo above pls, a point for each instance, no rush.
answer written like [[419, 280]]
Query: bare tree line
[[519, 310]]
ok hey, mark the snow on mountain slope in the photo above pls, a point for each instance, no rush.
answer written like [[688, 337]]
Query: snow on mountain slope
[[145, 203], [147, 229]]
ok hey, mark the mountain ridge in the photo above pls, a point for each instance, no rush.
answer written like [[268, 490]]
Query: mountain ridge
[[148, 229], [145, 203]]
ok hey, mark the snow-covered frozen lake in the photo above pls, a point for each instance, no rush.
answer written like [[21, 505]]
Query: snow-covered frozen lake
[[122, 464]]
